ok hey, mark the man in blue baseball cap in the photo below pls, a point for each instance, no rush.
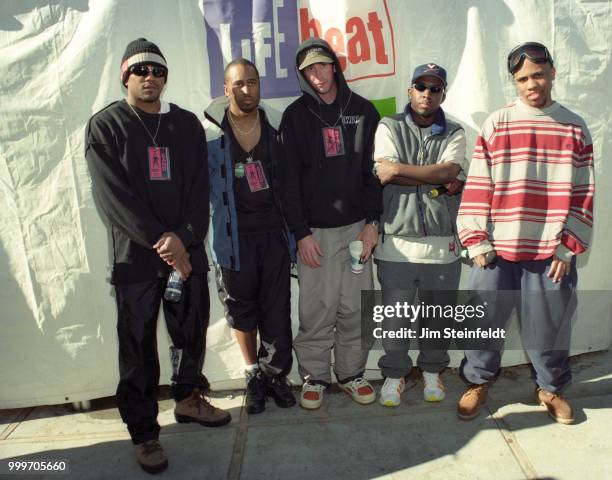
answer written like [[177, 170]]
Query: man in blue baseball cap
[[417, 151]]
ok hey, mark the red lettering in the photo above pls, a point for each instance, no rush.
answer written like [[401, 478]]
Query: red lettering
[[335, 38], [375, 26], [358, 46], [308, 27]]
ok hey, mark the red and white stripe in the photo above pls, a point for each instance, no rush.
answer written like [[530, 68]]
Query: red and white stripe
[[529, 191]]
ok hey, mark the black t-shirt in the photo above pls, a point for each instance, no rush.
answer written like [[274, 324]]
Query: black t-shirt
[[256, 211]]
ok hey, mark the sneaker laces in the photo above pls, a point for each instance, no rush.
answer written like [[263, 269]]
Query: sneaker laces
[[358, 383], [391, 385], [428, 380], [249, 374], [256, 384], [313, 387], [280, 383]]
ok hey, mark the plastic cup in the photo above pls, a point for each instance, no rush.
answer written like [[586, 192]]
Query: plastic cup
[[356, 249]]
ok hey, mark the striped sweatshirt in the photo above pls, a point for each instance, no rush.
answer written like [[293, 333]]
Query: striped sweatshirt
[[529, 191]]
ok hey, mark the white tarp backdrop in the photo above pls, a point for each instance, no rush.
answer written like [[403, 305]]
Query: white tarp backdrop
[[59, 64]]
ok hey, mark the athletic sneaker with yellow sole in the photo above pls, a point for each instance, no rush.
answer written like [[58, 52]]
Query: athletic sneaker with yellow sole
[[390, 393], [433, 388]]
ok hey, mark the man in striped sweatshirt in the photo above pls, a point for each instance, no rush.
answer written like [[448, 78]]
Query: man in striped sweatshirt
[[526, 212]]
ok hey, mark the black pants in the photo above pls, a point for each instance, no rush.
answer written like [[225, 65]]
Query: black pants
[[259, 296], [187, 322]]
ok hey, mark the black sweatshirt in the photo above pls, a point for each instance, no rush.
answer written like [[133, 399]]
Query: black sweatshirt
[[138, 208], [327, 192]]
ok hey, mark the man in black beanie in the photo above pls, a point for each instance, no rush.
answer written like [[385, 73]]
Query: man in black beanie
[[148, 164]]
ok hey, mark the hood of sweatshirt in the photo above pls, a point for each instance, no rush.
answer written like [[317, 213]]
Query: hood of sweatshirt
[[304, 85]]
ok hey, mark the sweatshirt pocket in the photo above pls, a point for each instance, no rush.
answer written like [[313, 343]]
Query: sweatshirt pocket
[[401, 216], [440, 214]]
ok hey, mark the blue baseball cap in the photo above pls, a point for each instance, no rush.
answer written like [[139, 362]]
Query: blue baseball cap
[[431, 70]]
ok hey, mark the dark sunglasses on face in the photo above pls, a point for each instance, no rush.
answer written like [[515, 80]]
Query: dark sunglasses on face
[[536, 52], [421, 87], [144, 70]]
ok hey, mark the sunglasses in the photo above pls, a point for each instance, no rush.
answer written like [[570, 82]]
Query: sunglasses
[[536, 52], [144, 70], [435, 89]]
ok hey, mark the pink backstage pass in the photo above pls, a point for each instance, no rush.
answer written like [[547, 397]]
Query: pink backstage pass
[[159, 163]]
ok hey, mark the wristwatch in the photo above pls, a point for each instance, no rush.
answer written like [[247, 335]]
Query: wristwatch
[[374, 223]]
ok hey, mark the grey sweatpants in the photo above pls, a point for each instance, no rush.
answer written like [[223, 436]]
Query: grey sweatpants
[[330, 309], [400, 282]]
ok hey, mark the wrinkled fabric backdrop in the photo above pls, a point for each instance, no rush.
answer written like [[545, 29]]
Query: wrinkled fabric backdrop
[[59, 64]]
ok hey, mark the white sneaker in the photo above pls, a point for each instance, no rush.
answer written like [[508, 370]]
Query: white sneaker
[[359, 390], [433, 388], [391, 391], [311, 396]]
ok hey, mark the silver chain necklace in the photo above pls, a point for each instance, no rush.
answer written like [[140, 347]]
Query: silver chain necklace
[[241, 132], [339, 116], [153, 137]]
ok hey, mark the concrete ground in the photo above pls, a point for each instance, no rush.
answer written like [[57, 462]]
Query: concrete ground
[[512, 439]]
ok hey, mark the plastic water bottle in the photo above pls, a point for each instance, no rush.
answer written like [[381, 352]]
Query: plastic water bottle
[[174, 287]]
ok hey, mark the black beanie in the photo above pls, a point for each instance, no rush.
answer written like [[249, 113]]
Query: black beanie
[[140, 51]]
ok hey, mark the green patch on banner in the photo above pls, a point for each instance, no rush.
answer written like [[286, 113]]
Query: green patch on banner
[[385, 106]]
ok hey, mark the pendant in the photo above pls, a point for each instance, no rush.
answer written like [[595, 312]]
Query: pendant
[[239, 170]]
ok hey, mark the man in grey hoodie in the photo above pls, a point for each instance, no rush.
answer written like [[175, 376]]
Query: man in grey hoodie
[[331, 198]]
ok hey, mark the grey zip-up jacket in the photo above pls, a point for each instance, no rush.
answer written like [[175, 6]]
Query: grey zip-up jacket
[[407, 210]]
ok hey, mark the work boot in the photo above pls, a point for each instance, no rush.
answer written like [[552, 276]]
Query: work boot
[[255, 392], [558, 407], [278, 389], [151, 456], [469, 404], [196, 408]]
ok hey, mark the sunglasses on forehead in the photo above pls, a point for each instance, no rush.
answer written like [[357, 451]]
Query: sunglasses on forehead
[[144, 70], [536, 52], [421, 87]]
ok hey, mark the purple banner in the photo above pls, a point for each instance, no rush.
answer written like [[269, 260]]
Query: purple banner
[[262, 31]]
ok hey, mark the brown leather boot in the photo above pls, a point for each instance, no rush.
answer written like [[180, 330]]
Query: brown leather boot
[[469, 404], [558, 407], [151, 456], [196, 408]]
